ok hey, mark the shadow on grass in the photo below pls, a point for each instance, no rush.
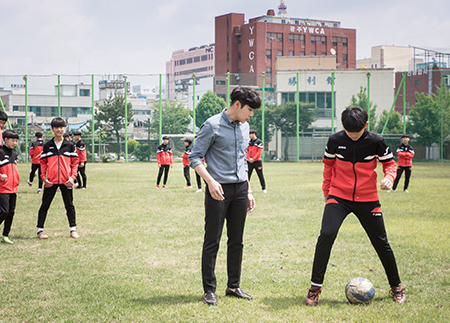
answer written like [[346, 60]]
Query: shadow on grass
[[169, 300], [281, 303]]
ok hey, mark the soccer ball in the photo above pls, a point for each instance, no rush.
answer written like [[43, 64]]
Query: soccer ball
[[359, 291]]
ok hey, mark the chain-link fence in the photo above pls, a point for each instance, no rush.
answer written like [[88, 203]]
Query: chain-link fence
[[300, 109]]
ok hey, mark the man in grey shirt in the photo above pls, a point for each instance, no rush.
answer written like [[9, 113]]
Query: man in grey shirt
[[223, 141]]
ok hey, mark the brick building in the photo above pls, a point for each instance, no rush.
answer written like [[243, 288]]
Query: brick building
[[247, 49]]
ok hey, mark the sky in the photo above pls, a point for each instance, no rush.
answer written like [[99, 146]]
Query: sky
[[41, 37]]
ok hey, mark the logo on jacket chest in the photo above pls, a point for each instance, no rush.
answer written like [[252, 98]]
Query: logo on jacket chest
[[342, 147]]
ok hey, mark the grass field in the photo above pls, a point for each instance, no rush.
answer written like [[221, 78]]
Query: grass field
[[138, 257]]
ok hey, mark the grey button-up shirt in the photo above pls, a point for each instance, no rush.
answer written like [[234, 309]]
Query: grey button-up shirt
[[223, 142]]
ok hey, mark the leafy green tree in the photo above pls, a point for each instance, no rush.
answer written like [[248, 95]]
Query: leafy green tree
[[425, 116], [142, 152], [255, 122], [394, 125], [284, 118], [360, 100], [175, 118], [110, 116], [132, 144], [209, 105]]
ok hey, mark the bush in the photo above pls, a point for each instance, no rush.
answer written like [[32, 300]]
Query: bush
[[142, 152]]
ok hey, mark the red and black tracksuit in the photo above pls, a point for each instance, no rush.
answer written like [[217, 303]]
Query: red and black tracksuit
[[164, 156], [35, 155], [186, 163], [8, 188], [405, 155], [350, 185], [254, 151], [57, 165], [82, 159]]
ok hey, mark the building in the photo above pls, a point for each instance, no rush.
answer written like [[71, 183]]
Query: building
[[75, 103], [247, 49], [183, 64], [400, 58]]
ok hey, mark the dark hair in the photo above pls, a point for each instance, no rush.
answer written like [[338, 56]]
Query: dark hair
[[3, 116], [58, 122], [77, 133], [10, 134], [165, 137], [405, 136], [189, 140], [38, 134], [252, 131], [246, 96], [66, 134], [354, 119]]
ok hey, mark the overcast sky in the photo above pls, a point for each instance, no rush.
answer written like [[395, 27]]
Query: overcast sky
[[41, 37]]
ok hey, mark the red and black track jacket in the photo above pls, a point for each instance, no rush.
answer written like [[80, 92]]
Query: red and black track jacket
[[59, 165], [36, 151], [8, 161], [350, 166], [405, 155], [164, 155], [81, 151], [254, 150], [185, 156]]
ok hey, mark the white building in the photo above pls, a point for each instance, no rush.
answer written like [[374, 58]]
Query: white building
[[400, 58]]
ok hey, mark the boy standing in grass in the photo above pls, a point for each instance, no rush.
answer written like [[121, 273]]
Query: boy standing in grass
[[350, 185], [164, 156], [187, 152], [9, 182], [223, 141], [59, 164], [35, 154], [254, 159], [405, 154], [82, 159]]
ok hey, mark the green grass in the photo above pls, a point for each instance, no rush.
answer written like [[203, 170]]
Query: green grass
[[138, 257]]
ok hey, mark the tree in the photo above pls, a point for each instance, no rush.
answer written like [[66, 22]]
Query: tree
[[284, 118], [209, 105], [175, 118], [360, 100], [395, 123], [112, 114], [425, 116]]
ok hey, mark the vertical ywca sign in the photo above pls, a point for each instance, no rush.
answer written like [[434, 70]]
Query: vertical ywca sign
[[251, 54]]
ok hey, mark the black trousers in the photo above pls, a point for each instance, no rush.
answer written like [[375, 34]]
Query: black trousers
[[371, 218], [234, 210], [82, 172], [7, 209], [47, 198], [400, 170], [257, 165], [199, 181], [35, 167], [165, 169], [187, 175]]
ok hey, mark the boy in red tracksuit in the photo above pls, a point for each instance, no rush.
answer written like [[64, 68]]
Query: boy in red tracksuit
[[254, 161], [187, 152], [82, 159], [59, 164], [35, 154], [405, 155], [9, 182], [164, 156], [350, 185]]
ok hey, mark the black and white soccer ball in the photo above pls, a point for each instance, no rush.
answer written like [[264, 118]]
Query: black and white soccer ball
[[359, 290]]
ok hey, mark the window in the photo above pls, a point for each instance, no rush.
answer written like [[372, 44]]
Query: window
[[321, 101], [279, 53], [239, 56], [204, 58], [228, 23], [15, 108], [294, 37], [228, 40], [189, 61], [291, 53], [278, 36], [239, 39], [344, 58], [302, 54], [268, 70], [417, 82], [324, 54], [321, 39], [336, 40], [196, 59], [220, 82], [85, 92], [313, 54], [268, 54], [182, 62]]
